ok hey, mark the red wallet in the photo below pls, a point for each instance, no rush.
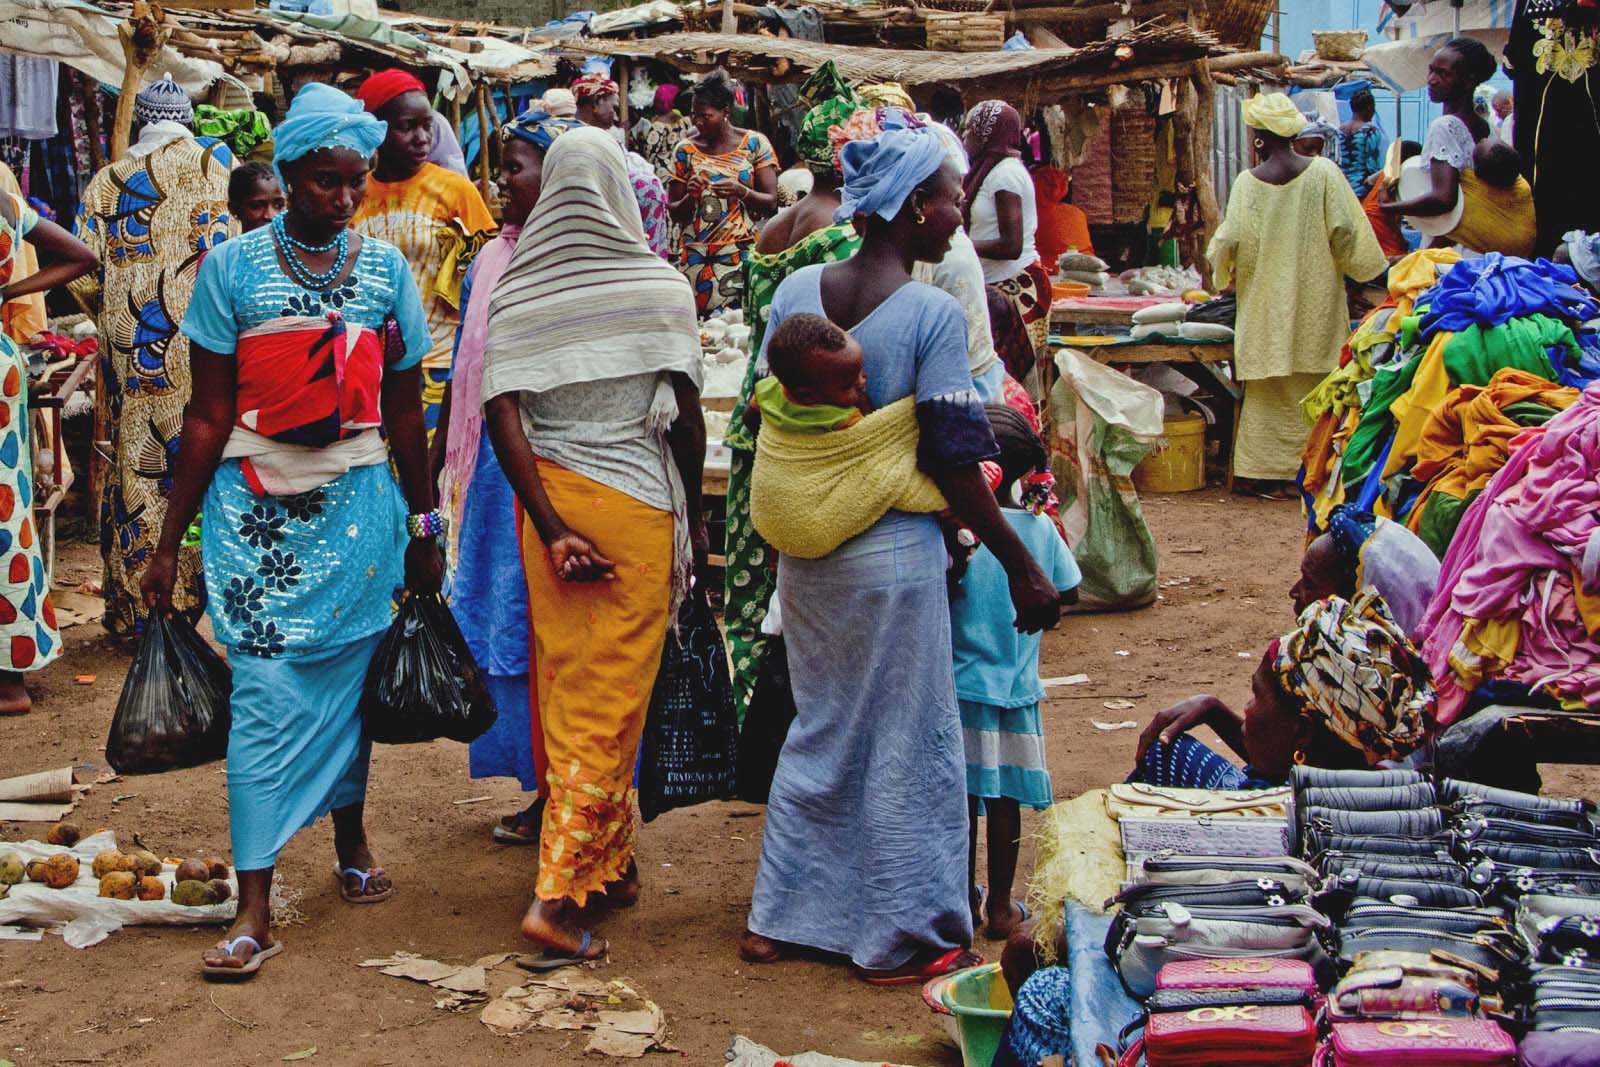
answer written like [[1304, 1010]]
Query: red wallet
[[1420, 1043], [1248, 1035], [1258, 973]]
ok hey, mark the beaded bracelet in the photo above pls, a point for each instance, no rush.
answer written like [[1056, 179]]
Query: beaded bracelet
[[428, 524]]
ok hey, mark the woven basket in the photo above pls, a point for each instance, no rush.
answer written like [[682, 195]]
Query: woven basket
[[1341, 45], [961, 32]]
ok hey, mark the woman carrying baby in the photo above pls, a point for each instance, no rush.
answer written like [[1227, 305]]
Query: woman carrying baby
[[866, 830]]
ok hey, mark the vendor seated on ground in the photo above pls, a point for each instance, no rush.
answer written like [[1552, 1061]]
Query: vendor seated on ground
[[1361, 559]]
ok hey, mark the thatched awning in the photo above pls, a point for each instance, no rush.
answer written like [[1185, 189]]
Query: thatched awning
[[1146, 53]]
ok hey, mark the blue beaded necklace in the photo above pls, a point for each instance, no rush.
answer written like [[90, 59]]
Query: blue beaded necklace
[[291, 249]]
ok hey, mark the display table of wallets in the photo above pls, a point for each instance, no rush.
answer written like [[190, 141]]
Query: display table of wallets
[[1414, 924]]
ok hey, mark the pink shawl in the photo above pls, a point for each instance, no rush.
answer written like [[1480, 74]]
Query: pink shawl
[[466, 386]]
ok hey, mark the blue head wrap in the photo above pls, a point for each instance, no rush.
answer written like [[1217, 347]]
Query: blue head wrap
[[322, 117], [1351, 528], [539, 128], [879, 174]]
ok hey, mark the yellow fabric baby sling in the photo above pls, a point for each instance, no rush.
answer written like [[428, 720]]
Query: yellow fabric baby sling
[[810, 493]]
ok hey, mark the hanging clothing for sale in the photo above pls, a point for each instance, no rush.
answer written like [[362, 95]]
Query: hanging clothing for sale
[[28, 97]]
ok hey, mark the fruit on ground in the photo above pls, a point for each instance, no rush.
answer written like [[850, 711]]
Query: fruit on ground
[[63, 833], [12, 869], [60, 870], [152, 888], [193, 894], [192, 871], [118, 885]]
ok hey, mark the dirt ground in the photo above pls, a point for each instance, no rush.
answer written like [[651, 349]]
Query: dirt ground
[[136, 998]]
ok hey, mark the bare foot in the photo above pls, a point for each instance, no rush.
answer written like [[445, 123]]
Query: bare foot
[[242, 927], [553, 924], [1001, 926], [753, 948], [14, 699]]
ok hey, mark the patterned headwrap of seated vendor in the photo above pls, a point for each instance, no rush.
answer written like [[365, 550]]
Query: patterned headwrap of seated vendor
[[538, 128], [1349, 665], [879, 174], [322, 117], [888, 94], [593, 85]]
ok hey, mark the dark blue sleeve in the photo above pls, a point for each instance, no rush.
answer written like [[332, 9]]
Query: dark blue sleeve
[[955, 431]]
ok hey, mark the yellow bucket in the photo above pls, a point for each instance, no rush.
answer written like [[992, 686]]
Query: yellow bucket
[[1178, 465]]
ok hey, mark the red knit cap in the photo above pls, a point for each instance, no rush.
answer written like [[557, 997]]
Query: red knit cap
[[385, 85]]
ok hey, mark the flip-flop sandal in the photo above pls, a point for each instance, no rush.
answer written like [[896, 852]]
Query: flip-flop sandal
[[361, 897], [1022, 917], [505, 833], [251, 966], [949, 963], [553, 959]]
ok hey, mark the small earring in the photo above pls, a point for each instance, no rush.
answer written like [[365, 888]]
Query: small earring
[[1299, 758], [1259, 143], [920, 217]]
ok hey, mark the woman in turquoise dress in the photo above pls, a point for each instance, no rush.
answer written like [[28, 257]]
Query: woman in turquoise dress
[[306, 339], [28, 636]]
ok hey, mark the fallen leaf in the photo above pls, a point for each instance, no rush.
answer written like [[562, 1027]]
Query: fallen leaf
[[609, 1042], [420, 970], [303, 1054], [1113, 705], [506, 1018], [492, 961], [1071, 679], [1127, 724], [466, 980]]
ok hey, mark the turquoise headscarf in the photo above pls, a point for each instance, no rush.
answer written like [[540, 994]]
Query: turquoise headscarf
[[323, 117], [538, 128], [879, 174]]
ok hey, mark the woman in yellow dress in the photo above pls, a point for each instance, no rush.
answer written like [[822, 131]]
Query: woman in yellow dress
[[1293, 231]]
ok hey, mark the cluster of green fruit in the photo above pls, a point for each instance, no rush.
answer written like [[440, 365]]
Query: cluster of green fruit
[[122, 875]]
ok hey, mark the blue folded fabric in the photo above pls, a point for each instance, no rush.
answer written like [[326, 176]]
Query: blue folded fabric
[[1486, 292]]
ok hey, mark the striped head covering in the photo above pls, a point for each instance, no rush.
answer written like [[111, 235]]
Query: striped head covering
[[163, 101], [322, 117], [585, 299], [538, 128], [1350, 666]]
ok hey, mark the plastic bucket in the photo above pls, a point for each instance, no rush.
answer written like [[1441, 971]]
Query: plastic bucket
[[981, 1002], [1179, 464]]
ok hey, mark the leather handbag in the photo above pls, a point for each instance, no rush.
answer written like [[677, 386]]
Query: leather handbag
[[1538, 857], [1135, 799], [1176, 869], [1304, 777], [1369, 798], [1245, 1035], [1339, 867], [1139, 946], [1408, 891], [1364, 913], [1139, 899], [1509, 884], [1475, 828], [1420, 1043], [1317, 841], [1257, 973], [1566, 1049], [1418, 822], [1458, 791], [1374, 994]]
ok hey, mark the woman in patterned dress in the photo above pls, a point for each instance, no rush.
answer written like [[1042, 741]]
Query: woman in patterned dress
[[304, 542], [27, 621], [722, 179]]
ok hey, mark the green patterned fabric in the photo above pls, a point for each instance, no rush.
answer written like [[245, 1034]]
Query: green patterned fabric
[[749, 578], [244, 131]]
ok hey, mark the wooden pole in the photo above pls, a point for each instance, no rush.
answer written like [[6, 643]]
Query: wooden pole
[[483, 139], [623, 76], [730, 21], [1204, 121], [143, 35]]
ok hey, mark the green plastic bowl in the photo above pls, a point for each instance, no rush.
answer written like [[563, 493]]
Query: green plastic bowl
[[981, 1002]]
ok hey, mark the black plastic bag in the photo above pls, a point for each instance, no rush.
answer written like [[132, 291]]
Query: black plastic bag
[[423, 683], [766, 725], [1218, 312], [175, 707], [691, 737]]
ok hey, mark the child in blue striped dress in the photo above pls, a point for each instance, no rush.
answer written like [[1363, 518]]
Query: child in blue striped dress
[[997, 672]]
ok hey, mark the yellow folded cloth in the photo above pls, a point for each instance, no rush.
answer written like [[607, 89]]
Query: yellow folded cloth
[[810, 493]]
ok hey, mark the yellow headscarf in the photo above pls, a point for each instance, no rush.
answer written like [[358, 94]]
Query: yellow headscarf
[[887, 94], [1274, 113]]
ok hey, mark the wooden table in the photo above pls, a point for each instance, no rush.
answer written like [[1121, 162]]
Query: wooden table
[[1157, 352]]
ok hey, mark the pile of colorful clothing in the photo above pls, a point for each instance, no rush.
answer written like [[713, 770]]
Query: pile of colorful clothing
[[1438, 381]]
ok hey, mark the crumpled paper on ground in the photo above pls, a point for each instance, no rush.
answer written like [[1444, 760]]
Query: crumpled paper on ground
[[746, 1053], [620, 1021], [81, 914]]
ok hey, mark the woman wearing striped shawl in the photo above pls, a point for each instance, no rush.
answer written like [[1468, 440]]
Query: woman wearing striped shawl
[[592, 393]]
